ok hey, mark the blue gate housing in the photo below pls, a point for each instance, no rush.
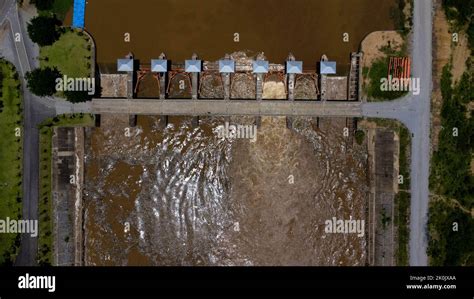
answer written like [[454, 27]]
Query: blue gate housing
[[78, 18]]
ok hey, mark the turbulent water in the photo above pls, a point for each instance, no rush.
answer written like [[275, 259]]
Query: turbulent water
[[183, 196]]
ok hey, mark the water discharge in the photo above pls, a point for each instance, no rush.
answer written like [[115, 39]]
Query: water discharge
[[183, 196]]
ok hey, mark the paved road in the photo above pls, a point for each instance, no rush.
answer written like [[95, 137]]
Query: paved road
[[413, 111], [421, 144]]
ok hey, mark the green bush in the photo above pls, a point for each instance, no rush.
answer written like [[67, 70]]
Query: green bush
[[462, 12], [43, 30], [359, 136], [448, 247], [42, 82]]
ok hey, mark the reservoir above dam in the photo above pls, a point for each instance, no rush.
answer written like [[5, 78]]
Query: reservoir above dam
[[307, 28]]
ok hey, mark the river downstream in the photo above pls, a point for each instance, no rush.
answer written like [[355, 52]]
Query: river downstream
[[184, 196]]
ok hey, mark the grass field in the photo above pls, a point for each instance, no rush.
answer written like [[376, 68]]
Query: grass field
[[45, 238], [71, 54], [10, 157], [402, 203]]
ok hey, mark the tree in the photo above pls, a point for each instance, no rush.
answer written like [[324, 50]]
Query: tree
[[43, 30], [77, 96], [42, 82], [43, 4]]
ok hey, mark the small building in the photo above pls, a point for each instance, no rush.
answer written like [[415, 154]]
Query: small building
[[294, 67], [125, 65], [260, 67], [192, 66], [226, 66], [159, 65], [328, 67]]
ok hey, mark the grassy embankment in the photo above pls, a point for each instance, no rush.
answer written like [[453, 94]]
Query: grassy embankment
[[402, 198], [451, 216], [45, 239], [71, 54], [11, 157]]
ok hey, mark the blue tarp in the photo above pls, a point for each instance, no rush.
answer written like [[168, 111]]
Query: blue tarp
[[79, 14]]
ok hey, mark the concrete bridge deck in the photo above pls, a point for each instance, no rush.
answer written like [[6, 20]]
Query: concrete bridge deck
[[226, 107]]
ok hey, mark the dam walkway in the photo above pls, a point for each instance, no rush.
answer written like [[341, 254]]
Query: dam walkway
[[225, 107]]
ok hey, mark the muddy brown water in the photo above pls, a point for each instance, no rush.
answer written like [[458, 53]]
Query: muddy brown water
[[307, 28], [183, 196]]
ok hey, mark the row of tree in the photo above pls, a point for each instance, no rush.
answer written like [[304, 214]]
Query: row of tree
[[42, 82]]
